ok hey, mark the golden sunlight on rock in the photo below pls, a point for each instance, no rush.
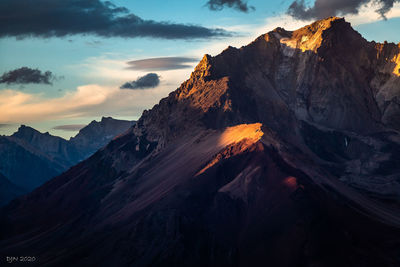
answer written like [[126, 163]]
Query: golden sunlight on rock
[[290, 182], [235, 134], [396, 60], [309, 38], [235, 140]]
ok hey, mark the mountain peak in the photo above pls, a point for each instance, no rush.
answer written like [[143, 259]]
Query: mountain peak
[[313, 36], [25, 131], [104, 119], [23, 127], [317, 26], [328, 22], [322, 25], [281, 31], [98, 133], [203, 68]]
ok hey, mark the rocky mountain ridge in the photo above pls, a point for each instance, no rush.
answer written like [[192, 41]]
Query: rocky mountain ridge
[[29, 158], [294, 68], [97, 134], [284, 152]]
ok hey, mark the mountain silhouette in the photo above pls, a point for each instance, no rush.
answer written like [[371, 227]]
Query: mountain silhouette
[[28, 158], [284, 152]]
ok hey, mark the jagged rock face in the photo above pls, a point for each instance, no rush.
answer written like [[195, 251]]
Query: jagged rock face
[[275, 154], [386, 83], [325, 73]]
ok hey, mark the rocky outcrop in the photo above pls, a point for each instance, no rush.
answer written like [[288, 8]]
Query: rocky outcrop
[[278, 153]]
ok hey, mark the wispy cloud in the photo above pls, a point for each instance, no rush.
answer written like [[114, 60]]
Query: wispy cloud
[[57, 18], [162, 63], [5, 125], [87, 101], [69, 127]]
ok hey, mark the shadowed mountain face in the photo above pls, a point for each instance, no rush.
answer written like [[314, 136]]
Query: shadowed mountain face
[[97, 134], [55, 147], [30, 158], [26, 166], [281, 153], [8, 190]]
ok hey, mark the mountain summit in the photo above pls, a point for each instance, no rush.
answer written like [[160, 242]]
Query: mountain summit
[[284, 152]]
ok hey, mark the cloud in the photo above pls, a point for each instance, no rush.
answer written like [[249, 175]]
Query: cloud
[[93, 43], [240, 5], [86, 101], [4, 125], [58, 18], [26, 75], [69, 127], [162, 63], [149, 80], [325, 8]]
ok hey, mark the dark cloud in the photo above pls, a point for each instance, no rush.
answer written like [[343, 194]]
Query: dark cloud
[[149, 80], [69, 127], [240, 5], [325, 8], [27, 75], [49, 18], [386, 6], [162, 63]]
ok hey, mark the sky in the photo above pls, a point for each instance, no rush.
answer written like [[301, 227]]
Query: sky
[[64, 63]]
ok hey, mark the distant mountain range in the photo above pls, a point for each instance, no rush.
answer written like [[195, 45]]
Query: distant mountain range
[[283, 153], [28, 158]]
